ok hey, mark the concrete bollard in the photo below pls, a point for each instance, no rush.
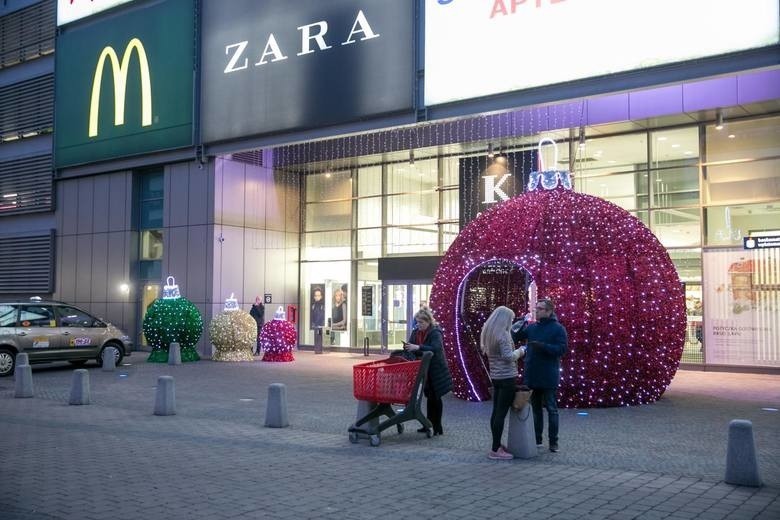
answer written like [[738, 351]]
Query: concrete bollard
[[174, 354], [21, 359], [109, 359], [23, 382], [363, 409], [276, 409], [165, 400], [522, 439], [79, 387], [741, 462]]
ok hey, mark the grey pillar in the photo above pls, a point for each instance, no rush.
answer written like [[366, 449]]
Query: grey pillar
[[363, 409], [174, 354], [741, 462], [23, 382], [276, 408], [79, 387], [165, 400], [109, 359], [21, 359]]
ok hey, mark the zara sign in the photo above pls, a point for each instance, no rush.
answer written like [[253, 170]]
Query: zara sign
[[268, 67]]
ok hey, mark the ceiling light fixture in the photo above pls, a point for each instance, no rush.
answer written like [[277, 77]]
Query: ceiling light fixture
[[719, 119], [490, 153]]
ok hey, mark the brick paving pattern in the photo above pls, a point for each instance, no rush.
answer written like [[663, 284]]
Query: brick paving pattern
[[114, 459]]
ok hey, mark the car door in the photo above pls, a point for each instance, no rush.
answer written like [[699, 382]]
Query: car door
[[82, 333], [36, 331]]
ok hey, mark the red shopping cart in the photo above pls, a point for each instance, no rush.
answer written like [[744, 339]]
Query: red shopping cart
[[387, 382]]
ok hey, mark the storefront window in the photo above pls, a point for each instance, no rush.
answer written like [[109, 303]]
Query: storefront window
[[369, 305], [328, 215], [328, 245], [688, 264], [151, 244], [726, 225], [677, 227], [325, 289]]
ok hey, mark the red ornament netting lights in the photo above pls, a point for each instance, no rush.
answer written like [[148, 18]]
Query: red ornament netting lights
[[615, 287], [278, 339]]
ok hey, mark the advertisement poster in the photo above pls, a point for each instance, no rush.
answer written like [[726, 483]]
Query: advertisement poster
[[317, 306], [741, 297], [339, 306], [477, 48]]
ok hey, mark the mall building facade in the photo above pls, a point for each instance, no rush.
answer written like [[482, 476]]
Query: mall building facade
[[324, 156]]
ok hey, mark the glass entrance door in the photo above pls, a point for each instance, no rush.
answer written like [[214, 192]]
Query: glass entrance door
[[401, 300]]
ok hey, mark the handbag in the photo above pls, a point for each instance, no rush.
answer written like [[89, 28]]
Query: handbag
[[522, 396]]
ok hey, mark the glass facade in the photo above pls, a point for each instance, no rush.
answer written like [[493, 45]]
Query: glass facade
[[695, 186]]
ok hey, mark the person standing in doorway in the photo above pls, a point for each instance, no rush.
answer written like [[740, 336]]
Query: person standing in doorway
[[427, 337], [258, 313], [547, 343], [496, 343]]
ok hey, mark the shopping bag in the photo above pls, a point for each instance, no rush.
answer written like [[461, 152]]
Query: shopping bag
[[522, 396]]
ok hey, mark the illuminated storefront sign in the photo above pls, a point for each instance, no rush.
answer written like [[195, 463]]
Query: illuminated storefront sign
[[477, 48], [123, 88], [269, 68], [72, 10]]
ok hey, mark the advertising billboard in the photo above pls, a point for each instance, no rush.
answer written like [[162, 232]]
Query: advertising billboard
[[477, 48], [72, 10], [269, 67], [124, 84]]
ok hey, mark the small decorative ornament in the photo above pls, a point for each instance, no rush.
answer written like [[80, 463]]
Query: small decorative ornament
[[172, 319], [233, 333], [615, 287], [231, 304], [278, 338], [170, 289]]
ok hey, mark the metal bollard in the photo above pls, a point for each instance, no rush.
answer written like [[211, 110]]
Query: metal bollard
[[741, 462], [165, 400], [79, 387], [21, 359], [365, 346], [174, 354], [109, 359], [276, 408], [364, 408], [318, 340], [23, 383]]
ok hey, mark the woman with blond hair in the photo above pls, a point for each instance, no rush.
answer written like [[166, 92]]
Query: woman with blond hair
[[426, 337], [496, 343]]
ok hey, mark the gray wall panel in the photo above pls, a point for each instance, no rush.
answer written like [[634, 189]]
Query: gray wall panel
[[67, 207], [198, 200], [83, 259], [177, 190], [118, 260], [84, 210], [176, 253], [102, 289], [120, 196], [197, 264], [255, 266], [232, 202], [101, 203], [256, 178], [67, 270]]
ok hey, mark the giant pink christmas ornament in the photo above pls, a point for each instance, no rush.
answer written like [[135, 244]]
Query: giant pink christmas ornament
[[616, 291], [278, 339]]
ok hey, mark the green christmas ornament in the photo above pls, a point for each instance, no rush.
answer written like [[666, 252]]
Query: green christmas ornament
[[172, 319]]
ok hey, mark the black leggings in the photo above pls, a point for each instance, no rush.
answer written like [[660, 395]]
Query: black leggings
[[435, 410], [503, 396]]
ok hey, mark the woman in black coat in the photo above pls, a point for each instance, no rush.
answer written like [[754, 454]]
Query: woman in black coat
[[426, 337]]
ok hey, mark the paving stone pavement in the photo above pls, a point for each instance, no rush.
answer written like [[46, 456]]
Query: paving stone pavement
[[113, 459]]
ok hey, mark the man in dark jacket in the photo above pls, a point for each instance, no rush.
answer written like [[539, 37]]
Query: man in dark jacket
[[547, 343]]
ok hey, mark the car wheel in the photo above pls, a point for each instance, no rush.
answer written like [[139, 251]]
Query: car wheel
[[117, 358], [7, 362]]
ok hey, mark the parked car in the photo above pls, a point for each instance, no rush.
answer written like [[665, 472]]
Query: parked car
[[55, 331]]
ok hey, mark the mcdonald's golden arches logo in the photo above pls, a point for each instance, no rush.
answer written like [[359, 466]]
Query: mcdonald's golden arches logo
[[119, 71]]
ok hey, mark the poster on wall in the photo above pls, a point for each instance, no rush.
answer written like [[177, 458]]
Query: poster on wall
[[476, 48], [339, 306], [741, 296], [317, 305]]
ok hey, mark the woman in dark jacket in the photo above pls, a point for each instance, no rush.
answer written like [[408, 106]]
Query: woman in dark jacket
[[427, 337]]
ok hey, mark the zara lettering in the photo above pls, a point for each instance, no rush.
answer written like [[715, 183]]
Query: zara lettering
[[312, 39]]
